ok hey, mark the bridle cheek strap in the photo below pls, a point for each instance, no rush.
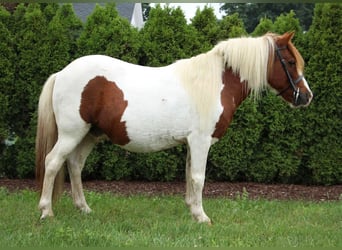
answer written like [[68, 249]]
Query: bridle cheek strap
[[293, 84]]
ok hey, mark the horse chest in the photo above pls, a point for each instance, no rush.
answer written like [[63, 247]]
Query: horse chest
[[233, 93]]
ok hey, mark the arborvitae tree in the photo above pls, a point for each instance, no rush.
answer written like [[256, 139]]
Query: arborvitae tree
[[109, 34], [31, 70], [265, 25], [283, 23], [230, 158], [287, 23], [276, 158], [63, 31], [231, 26], [49, 10], [206, 24], [166, 37], [30, 34], [7, 75], [251, 13], [322, 123]]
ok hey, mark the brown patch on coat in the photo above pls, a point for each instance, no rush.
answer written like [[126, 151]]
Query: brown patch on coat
[[102, 105], [233, 93]]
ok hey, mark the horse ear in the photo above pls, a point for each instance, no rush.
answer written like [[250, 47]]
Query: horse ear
[[285, 38], [288, 36]]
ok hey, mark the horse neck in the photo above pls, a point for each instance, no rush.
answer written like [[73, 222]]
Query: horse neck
[[234, 92]]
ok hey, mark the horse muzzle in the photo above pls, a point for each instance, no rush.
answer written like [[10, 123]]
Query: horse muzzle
[[302, 99]]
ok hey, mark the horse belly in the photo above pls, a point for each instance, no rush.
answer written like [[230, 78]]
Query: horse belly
[[159, 119], [142, 144]]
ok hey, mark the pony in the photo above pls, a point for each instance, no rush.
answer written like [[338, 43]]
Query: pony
[[147, 109]]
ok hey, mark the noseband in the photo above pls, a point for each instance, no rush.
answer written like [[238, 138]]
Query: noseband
[[292, 82]]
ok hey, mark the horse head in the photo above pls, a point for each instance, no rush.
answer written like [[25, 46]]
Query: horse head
[[285, 72]]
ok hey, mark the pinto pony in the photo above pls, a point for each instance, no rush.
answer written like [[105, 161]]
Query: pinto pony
[[145, 109]]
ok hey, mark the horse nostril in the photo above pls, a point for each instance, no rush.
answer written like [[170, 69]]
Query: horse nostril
[[305, 98], [309, 96]]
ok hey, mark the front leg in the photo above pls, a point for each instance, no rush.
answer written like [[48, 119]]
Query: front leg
[[198, 148], [188, 194]]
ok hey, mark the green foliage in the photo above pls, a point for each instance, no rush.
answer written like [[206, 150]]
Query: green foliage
[[206, 24], [166, 37], [31, 47], [230, 158], [109, 34], [252, 13], [288, 22], [6, 73], [231, 26], [30, 70], [285, 23], [276, 158], [160, 166], [109, 162], [64, 30], [265, 25], [322, 135]]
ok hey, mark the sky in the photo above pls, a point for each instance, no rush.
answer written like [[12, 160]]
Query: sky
[[190, 8]]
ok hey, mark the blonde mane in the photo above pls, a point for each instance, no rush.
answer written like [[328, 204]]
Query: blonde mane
[[202, 75]]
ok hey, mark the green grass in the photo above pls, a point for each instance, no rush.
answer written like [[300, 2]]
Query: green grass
[[165, 221]]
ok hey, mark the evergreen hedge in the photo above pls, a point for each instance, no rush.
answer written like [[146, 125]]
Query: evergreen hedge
[[267, 140]]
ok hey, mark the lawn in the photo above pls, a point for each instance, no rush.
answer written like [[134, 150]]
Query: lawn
[[162, 221]]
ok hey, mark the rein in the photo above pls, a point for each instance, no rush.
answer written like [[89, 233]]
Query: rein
[[293, 83]]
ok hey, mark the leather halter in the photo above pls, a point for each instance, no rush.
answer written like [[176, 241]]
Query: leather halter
[[293, 83]]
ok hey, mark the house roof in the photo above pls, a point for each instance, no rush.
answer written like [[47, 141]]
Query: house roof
[[83, 10]]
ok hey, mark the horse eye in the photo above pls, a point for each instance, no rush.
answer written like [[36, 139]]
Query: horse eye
[[292, 62]]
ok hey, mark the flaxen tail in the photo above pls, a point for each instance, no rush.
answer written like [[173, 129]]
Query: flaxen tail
[[46, 136]]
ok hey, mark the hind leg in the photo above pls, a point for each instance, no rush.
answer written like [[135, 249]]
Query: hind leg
[[75, 162], [65, 144]]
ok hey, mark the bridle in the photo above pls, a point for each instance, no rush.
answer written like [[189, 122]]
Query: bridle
[[293, 83]]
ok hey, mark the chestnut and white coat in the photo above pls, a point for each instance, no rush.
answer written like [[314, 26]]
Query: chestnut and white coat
[[146, 109]]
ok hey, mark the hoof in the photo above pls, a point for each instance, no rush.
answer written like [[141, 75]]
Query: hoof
[[46, 213], [85, 210], [44, 217], [203, 219], [208, 222]]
